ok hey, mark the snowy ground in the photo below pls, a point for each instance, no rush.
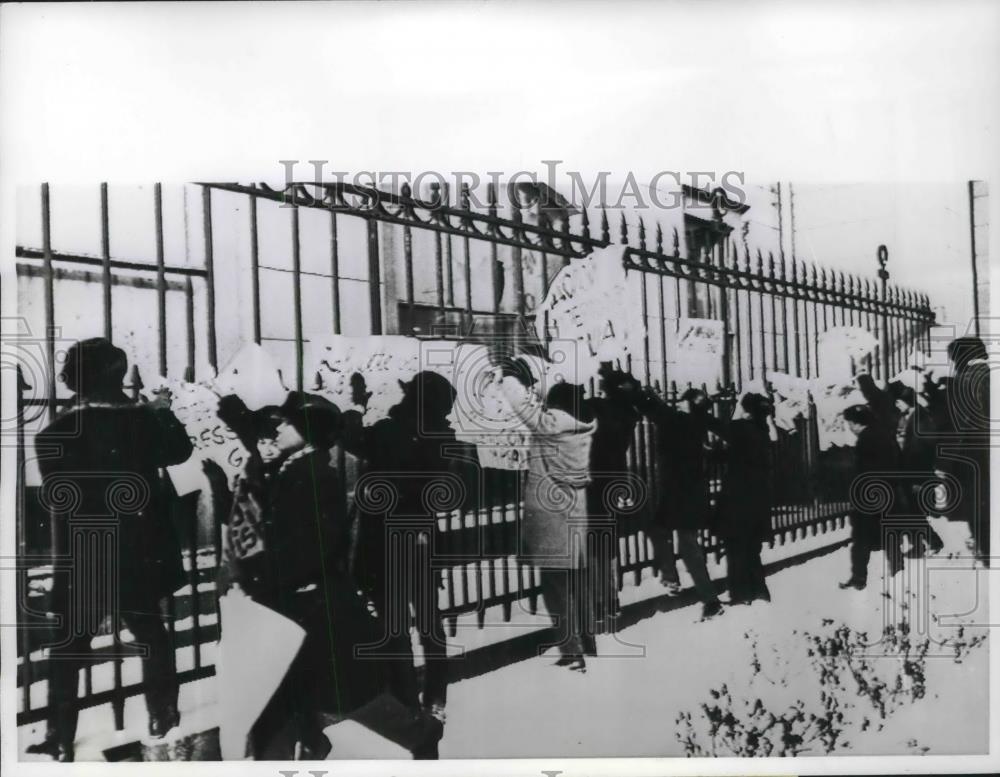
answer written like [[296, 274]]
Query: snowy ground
[[628, 701]]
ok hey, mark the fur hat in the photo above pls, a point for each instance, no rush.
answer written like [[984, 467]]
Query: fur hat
[[314, 417], [430, 391], [94, 365]]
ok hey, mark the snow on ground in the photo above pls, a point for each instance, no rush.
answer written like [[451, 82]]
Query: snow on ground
[[627, 702]]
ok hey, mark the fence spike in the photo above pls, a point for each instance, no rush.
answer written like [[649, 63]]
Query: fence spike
[[795, 271], [659, 238], [746, 258], [843, 283], [642, 234], [605, 227], [782, 266], [137, 384], [770, 264], [623, 229], [317, 381], [405, 191], [760, 262], [677, 244], [585, 223]]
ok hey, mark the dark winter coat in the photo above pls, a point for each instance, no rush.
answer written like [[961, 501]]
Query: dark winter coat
[[302, 574], [409, 475], [876, 462], [616, 422], [108, 456], [305, 527], [745, 505], [966, 423], [918, 443], [682, 465]]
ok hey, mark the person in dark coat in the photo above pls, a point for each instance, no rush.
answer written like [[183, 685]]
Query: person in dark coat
[[966, 421], [286, 543], [408, 461], [102, 457], [745, 509], [682, 483], [917, 439], [876, 460], [616, 419]]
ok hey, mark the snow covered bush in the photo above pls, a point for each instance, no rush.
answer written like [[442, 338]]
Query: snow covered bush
[[810, 694]]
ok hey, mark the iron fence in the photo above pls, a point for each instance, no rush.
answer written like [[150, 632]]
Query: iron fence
[[773, 313]]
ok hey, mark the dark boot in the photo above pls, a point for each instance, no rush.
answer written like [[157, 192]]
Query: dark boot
[[163, 719], [59, 735]]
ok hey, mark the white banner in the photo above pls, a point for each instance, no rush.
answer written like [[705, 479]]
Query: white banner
[[196, 407], [587, 303], [695, 354], [842, 351], [481, 414]]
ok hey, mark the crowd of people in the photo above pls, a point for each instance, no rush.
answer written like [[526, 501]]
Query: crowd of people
[[355, 573]]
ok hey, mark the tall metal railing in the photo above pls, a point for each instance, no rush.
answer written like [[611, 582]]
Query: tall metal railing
[[773, 312]]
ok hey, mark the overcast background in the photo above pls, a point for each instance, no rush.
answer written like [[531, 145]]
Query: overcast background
[[820, 94]]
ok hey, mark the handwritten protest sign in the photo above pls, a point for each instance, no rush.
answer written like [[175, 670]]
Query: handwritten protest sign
[[831, 401], [842, 351], [587, 304], [196, 407], [695, 351], [253, 376], [791, 398], [382, 360], [481, 414]]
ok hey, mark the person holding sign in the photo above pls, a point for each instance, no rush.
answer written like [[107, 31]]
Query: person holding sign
[[111, 451], [745, 508], [408, 480], [681, 465], [876, 460], [554, 528], [616, 419], [286, 546]]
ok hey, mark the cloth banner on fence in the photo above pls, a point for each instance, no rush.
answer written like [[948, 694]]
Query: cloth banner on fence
[[587, 304], [842, 350], [383, 361], [253, 376], [248, 678], [196, 406], [791, 398], [831, 401], [481, 414], [695, 356]]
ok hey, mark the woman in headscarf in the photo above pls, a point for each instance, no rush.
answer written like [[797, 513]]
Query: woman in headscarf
[[553, 532]]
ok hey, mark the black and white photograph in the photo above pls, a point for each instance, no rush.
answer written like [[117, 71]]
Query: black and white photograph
[[457, 422]]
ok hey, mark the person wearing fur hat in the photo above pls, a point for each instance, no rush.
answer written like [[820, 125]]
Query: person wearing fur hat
[[745, 504], [916, 436], [966, 420], [616, 419], [286, 544], [682, 447], [109, 451], [408, 454]]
